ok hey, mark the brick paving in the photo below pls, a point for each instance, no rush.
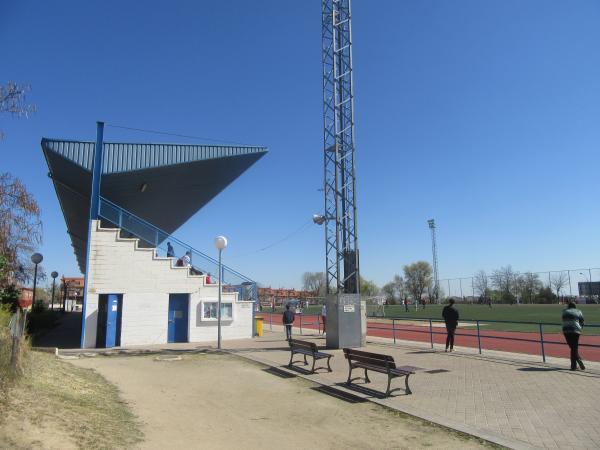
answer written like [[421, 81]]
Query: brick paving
[[515, 401]]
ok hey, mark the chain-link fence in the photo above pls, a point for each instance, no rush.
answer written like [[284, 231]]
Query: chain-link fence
[[563, 283]]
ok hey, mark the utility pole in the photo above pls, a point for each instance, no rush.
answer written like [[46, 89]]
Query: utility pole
[[436, 280]]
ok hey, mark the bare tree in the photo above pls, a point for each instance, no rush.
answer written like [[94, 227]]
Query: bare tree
[[505, 280], [13, 100], [418, 277], [314, 282], [559, 281], [529, 285], [20, 226], [395, 289], [481, 283]]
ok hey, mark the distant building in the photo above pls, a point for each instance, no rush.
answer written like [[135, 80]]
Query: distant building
[[277, 297], [72, 293], [26, 298]]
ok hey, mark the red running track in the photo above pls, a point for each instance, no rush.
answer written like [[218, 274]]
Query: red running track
[[506, 341]]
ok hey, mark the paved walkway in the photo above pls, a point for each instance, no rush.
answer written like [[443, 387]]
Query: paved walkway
[[520, 403], [66, 334]]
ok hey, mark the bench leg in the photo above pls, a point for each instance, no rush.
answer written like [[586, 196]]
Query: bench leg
[[387, 392], [328, 366], [349, 376], [408, 391], [305, 361], [367, 377], [313, 366], [291, 358]]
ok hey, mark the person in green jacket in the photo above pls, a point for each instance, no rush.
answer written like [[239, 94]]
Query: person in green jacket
[[572, 319]]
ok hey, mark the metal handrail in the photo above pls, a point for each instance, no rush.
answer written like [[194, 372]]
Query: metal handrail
[[168, 236], [431, 330]]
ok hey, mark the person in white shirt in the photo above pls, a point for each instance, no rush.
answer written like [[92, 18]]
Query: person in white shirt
[[324, 317], [186, 259]]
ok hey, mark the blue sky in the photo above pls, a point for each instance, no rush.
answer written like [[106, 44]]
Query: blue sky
[[482, 114]]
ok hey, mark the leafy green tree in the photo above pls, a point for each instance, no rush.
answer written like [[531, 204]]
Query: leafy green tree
[[418, 278], [9, 293], [368, 288]]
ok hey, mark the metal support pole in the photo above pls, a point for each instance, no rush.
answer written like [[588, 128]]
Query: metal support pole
[[34, 286], [461, 291], [431, 332], [394, 330], [570, 287], [219, 306], [300, 324], [94, 214], [478, 337], [53, 285], [448, 288], [542, 342]]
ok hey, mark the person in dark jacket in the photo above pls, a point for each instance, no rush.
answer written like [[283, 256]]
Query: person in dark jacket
[[288, 320], [572, 319], [450, 315]]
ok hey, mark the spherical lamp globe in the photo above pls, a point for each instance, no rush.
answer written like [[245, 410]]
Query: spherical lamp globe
[[220, 242], [37, 258]]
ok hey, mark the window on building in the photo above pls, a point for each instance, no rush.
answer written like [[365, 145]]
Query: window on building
[[209, 311]]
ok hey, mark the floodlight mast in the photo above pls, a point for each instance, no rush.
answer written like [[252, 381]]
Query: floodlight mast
[[436, 279], [341, 240]]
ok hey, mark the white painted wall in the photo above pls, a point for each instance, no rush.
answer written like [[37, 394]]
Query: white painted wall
[[117, 266]]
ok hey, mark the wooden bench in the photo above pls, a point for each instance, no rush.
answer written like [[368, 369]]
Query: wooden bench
[[306, 348], [376, 362]]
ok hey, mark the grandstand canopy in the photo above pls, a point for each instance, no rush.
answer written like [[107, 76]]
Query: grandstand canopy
[[164, 184]]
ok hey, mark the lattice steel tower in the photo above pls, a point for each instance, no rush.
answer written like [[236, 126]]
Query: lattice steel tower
[[436, 278], [341, 243]]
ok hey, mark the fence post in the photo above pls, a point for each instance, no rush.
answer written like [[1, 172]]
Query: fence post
[[120, 218], [431, 332], [542, 342], [478, 338], [394, 329]]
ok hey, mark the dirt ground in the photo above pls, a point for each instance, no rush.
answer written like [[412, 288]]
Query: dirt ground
[[55, 405], [218, 401]]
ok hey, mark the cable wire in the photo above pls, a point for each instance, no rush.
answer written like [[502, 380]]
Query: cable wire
[[292, 234], [186, 136]]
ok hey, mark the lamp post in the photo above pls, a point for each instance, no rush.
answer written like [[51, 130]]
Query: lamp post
[[220, 244], [54, 274], [36, 258]]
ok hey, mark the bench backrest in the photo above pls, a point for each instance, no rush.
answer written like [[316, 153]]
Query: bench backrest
[[375, 359], [297, 343]]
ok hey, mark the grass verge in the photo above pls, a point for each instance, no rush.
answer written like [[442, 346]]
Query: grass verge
[[58, 405]]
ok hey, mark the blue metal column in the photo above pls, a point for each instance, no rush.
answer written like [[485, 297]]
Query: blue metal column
[[94, 211]]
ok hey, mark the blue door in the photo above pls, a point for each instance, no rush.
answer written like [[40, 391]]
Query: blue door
[[108, 333], [178, 318]]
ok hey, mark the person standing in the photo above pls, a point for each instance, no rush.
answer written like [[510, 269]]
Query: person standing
[[324, 317], [170, 251], [572, 319], [450, 315], [406, 305], [288, 320]]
